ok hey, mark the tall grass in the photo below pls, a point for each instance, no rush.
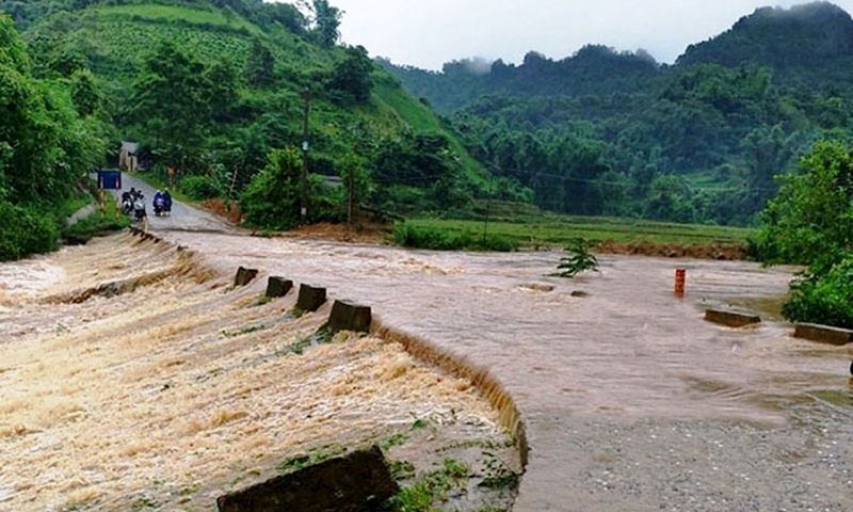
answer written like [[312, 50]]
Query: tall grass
[[428, 237], [553, 230]]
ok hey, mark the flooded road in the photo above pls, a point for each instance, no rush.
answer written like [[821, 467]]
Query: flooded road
[[631, 400], [134, 378], [182, 218]]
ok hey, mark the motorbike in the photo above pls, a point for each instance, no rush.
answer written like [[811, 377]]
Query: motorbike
[[159, 207]]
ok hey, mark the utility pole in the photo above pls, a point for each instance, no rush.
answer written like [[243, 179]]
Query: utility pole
[[303, 211], [350, 191]]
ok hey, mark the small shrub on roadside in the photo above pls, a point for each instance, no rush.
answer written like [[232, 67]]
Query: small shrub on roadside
[[200, 188], [823, 298], [25, 231], [580, 259], [424, 237], [429, 238]]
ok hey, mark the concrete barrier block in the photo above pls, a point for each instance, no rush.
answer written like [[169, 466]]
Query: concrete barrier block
[[358, 481], [823, 334], [310, 298], [245, 276], [278, 287], [349, 317], [731, 318]]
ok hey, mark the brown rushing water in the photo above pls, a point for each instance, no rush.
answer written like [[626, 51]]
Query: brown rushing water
[[628, 381], [631, 401], [173, 388]]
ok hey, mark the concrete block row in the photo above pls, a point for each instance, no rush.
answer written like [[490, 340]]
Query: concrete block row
[[731, 318], [345, 316], [824, 334], [811, 332]]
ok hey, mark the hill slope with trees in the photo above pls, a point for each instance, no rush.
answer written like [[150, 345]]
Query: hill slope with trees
[[606, 132], [217, 91], [48, 141]]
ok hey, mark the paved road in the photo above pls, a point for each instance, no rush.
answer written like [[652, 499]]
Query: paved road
[[183, 217]]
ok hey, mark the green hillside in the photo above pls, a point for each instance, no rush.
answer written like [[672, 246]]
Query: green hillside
[[213, 88], [604, 132]]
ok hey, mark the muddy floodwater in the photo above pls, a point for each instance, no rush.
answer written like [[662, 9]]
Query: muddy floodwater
[[132, 377], [631, 400]]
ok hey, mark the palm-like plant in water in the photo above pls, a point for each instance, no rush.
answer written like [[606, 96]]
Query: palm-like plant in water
[[579, 259]]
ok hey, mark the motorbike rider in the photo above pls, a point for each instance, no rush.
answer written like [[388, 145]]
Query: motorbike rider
[[159, 203], [139, 207], [167, 201], [126, 202]]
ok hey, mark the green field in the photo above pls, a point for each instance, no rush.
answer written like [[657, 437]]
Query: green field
[[559, 230]]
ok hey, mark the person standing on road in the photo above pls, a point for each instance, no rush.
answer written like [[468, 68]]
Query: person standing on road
[[139, 210]]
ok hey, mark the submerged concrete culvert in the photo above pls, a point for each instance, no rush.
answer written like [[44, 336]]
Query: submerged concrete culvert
[[245, 276], [731, 318], [349, 317], [278, 287], [310, 298]]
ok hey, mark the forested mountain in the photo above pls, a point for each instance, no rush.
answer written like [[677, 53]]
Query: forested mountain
[[804, 36], [594, 70], [217, 91], [604, 132]]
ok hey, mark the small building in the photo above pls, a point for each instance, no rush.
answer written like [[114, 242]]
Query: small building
[[128, 157]]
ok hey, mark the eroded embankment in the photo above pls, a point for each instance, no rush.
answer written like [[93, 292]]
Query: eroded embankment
[[133, 376], [509, 416]]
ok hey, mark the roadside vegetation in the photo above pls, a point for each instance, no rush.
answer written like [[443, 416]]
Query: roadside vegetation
[[810, 223], [558, 231], [100, 222], [50, 135]]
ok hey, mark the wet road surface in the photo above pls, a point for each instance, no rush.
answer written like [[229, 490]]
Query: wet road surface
[[631, 400], [182, 217]]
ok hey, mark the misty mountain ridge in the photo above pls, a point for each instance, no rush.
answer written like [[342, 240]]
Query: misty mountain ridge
[[780, 38], [815, 36]]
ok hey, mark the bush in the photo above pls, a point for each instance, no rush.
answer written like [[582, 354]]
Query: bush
[[580, 259], [26, 231], [94, 225], [823, 298], [425, 237], [494, 243], [200, 188]]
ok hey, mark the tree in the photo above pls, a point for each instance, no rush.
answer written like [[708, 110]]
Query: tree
[[45, 150], [260, 66], [351, 83], [224, 91], [272, 199], [811, 222], [85, 93], [811, 218], [356, 182], [328, 20], [172, 103]]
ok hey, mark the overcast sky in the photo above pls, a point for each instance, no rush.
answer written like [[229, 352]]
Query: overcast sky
[[428, 33]]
